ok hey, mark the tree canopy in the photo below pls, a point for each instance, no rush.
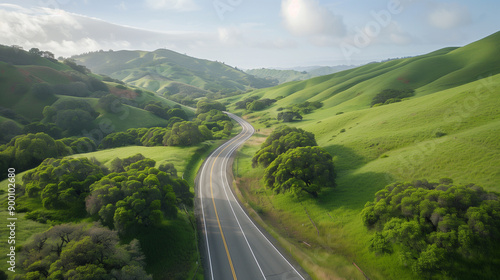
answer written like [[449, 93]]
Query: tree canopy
[[70, 251], [140, 196], [281, 140], [438, 228], [27, 151], [289, 116], [62, 183], [302, 169], [205, 105]]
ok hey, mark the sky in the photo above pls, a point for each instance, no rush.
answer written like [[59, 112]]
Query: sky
[[250, 33]]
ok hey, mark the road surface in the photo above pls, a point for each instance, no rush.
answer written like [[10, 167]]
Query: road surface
[[233, 246]]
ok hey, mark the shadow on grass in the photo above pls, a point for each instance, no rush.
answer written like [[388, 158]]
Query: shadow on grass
[[353, 190], [345, 158]]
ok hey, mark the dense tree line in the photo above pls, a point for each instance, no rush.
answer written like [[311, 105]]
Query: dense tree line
[[62, 183], [294, 163], [281, 140], [208, 125], [27, 151], [253, 103], [388, 96], [437, 229], [71, 116], [71, 251], [289, 116], [142, 195], [303, 108], [205, 105]]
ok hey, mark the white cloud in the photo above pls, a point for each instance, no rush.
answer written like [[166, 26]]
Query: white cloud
[[309, 18], [449, 16], [174, 5], [67, 34]]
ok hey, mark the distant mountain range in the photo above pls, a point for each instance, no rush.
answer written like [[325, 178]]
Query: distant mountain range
[[283, 75], [177, 76]]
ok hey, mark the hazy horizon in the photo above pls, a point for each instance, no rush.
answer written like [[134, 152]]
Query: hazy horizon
[[248, 35]]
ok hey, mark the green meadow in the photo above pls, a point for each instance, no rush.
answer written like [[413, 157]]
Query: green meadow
[[449, 129]]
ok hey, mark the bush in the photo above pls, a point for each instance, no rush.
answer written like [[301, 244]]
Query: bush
[[435, 226], [388, 96]]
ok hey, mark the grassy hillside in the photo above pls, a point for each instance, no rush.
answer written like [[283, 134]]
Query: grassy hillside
[[21, 72], [449, 129], [354, 89], [170, 249], [171, 73]]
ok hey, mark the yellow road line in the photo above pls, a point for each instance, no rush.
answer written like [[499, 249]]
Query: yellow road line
[[215, 208]]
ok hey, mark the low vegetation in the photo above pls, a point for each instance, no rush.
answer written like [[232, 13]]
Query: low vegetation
[[437, 229], [389, 96], [69, 251]]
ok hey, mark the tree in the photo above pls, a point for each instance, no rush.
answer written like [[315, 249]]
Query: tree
[[140, 196], [303, 169], [177, 112], [42, 91], [168, 168], [436, 226], [62, 183], [204, 106], [27, 151], [183, 134], [158, 111], [110, 103], [289, 116], [281, 140], [74, 252], [74, 121], [8, 130]]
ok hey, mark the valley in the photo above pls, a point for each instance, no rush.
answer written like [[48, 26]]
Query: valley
[[126, 119]]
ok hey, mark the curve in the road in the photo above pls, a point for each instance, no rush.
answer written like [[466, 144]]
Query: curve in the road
[[235, 247]]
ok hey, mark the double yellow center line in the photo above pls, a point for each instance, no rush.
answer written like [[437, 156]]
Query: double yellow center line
[[215, 208]]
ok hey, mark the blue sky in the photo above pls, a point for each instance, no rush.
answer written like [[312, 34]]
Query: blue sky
[[250, 34]]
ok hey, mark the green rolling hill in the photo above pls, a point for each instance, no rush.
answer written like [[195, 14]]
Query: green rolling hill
[[354, 89], [21, 72], [172, 74], [448, 129]]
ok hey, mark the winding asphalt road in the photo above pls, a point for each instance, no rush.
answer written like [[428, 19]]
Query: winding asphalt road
[[234, 247]]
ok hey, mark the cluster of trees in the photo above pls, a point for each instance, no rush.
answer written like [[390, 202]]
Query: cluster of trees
[[72, 116], [437, 228], [209, 124], [289, 116], [81, 86], [17, 56], [141, 195], [294, 163], [165, 112], [8, 130], [303, 108], [63, 183], [295, 112], [70, 251], [388, 96], [205, 106], [27, 151], [253, 103]]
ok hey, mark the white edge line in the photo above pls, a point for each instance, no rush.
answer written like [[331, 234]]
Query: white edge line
[[201, 203], [223, 170], [244, 123], [203, 211]]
